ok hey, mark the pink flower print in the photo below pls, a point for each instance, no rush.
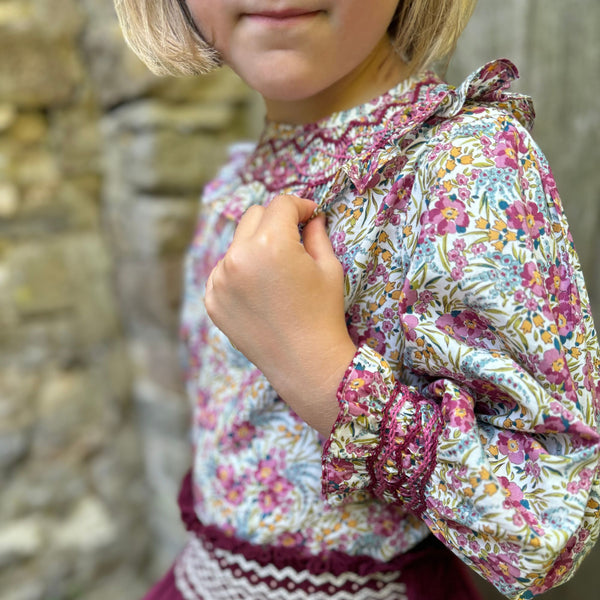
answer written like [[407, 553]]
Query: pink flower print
[[235, 494], [532, 279], [512, 492], [399, 195], [549, 183], [563, 319], [338, 242], [225, 475], [457, 274], [502, 563], [506, 151], [408, 297], [374, 339], [511, 445], [267, 501], [290, 540], [242, 434], [453, 255], [534, 449], [459, 412], [459, 244], [446, 324], [384, 526], [266, 471], [469, 325], [462, 180], [526, 217], [557, 280], [409, 324], [274, 495], [338, 472], [505, 156], [281, 486], [554, 366], [448, 216], [478, 249]]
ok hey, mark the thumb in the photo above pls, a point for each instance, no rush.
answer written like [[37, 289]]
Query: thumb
[[316, 241]]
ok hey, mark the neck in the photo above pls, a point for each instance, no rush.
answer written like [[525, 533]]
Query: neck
[[382, 70]]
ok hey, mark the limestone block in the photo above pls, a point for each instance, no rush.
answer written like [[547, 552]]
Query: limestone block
[[166, 161], [162, 227], [37, 71], [162, 149], [161, 410], [8, 114], [17, 413], [40, 279], [122, 584], [151, 293], [9, 200], [20, 539], [88, 527], [29, 128], [156, 356], [56, 17], [117, 74], [24, 589], [76, 140], [116, 474], [222, 85], [47, 485], [74, 416], [35, 343], [153, 115]]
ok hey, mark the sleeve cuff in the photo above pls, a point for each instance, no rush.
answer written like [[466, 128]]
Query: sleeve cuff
[[384, 440]]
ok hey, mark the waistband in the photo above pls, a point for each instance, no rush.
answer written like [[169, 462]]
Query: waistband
[[427, 572]]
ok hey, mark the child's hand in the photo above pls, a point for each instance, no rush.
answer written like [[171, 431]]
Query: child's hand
[[281, 303]]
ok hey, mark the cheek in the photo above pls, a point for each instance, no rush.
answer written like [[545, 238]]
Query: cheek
[[210, 17]]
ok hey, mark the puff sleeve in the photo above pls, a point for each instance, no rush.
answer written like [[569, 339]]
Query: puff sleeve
[[488, 430]]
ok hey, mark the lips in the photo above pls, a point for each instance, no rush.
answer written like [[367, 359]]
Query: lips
[[281, 15], [287, 13]]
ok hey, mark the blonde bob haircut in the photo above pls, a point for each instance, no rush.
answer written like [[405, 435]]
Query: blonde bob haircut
[[163, 34]]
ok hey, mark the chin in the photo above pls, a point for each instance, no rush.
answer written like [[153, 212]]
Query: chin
[[284, 84]]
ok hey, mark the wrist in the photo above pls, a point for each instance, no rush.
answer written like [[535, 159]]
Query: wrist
[[312, 391]]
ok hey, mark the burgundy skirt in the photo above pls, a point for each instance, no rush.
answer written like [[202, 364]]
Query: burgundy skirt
[[215, 566]]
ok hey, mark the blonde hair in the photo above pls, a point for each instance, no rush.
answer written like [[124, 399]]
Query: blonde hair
[[163, 34]]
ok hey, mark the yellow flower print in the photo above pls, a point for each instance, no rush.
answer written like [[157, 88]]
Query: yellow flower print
[[500, 235], [356, 384], [490, 488]]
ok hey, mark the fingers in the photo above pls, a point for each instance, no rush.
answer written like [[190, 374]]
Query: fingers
[[287, 212], [316, 241], [249, 223]]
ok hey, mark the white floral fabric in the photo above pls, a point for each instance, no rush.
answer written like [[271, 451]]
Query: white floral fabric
[[471, 407]]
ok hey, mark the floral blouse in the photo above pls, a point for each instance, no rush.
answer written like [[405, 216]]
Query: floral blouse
[[471, 407]]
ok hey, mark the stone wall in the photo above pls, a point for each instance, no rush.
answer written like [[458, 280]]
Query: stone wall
[[101, 164]]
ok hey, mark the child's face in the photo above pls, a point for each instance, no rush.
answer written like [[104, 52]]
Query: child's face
[[291, 50]]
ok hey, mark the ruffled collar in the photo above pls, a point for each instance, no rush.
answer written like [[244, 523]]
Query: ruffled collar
[[315, 160]]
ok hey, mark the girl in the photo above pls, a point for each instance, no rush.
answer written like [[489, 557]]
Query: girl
[[395, 338]]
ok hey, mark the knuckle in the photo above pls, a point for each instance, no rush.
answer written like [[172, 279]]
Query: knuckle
[[253, 209]]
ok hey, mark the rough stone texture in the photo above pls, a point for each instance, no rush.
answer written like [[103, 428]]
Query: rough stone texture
[[101, 164]]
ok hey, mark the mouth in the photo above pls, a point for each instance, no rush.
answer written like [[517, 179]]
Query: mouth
[[287, 16]]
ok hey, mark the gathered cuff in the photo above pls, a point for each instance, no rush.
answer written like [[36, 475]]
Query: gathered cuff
[[384, 441]]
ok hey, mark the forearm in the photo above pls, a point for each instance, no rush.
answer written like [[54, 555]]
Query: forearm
[[307, 377]]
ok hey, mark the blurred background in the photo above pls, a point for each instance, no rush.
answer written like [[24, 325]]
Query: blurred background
[[101, 165]]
